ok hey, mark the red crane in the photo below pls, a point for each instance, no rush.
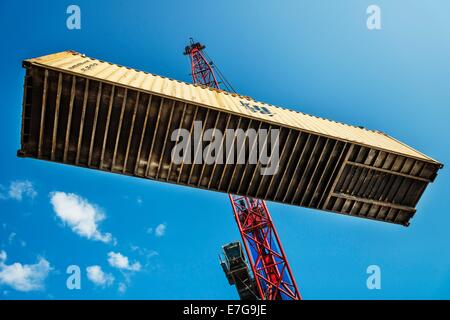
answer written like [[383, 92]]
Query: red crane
[[272, 276]]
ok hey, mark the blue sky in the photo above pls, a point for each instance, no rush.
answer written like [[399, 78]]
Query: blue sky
[[313, 56]]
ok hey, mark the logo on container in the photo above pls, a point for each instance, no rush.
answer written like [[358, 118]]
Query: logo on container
[[256, 108]]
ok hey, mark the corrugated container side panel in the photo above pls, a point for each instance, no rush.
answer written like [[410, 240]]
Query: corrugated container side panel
[[71, 119]]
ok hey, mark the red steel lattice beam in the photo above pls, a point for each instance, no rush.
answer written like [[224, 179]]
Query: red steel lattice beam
[[271, 270], [201, 70], [273, 275]]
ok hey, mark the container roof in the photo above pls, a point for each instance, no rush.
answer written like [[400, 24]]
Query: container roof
[[79, 64]]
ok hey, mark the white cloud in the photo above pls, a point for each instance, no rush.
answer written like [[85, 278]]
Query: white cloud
[[24, 277], [118, 260], [97, 276], [80, 215], [144, 251], [11, 237], [122, 287], [14, 239], [139, 201], [19, 189], [160, 230], [2, 195]]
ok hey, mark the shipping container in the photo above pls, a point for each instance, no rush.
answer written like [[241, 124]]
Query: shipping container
[[94, 114]]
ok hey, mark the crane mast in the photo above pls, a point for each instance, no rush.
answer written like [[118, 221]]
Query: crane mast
[[272, 276]]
